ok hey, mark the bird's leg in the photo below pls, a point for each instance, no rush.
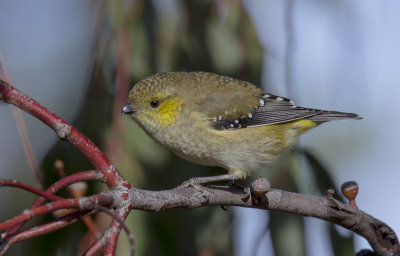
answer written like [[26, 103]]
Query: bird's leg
[[196, 181], [235, 179]]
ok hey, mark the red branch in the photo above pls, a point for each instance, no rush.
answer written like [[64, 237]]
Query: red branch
[[68, 180], [64, 182], [106, 171], [66, 132], [41, 230], [115, 230], [113, 234], [96, 246], [83, 204], [16, 184]]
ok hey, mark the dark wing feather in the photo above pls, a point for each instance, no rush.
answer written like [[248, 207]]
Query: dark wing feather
[[281, 116], [237, 104], [274, 110]]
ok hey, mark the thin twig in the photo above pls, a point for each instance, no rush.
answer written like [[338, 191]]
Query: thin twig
[[26, 143], [130, 235], [96, 246], [59, 223], [76, 193], [83, 204], [77, 177], [115, 230], [16, 184]]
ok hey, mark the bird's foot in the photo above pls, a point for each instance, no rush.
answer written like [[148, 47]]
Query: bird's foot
[[196, 181], [246, 189], [239, 182]]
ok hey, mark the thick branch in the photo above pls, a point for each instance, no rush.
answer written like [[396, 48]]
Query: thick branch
[[380, 236]]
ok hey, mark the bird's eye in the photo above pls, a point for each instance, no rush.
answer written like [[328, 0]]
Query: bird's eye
[[155, 104]]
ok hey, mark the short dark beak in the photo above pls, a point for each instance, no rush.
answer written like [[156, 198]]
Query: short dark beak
[[128, 109]]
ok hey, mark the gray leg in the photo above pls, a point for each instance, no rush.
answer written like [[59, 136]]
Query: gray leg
[[196, 181]]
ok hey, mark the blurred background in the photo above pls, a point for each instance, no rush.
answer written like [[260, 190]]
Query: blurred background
[[80, 58]]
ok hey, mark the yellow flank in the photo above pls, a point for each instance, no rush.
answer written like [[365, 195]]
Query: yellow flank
[[303, 125], [168, 111]]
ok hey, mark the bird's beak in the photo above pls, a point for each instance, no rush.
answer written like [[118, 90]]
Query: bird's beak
[[128, 109]]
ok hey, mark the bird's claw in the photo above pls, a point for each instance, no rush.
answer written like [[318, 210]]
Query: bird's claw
[[194, 183], [246, 190], [247, 193]]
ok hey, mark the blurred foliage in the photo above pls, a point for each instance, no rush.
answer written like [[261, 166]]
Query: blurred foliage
[[287, 230], [341, 244], [178, 35]]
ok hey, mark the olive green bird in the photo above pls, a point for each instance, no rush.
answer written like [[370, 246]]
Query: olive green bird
[[216, 120]]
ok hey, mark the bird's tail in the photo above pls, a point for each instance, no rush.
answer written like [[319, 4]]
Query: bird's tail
[[326, 116]]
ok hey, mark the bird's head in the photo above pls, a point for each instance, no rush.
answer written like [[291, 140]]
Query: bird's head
[[155, 102]]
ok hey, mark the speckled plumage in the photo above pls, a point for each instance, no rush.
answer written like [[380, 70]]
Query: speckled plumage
[[220, 121]]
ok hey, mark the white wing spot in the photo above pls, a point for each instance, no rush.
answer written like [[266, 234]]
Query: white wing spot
[[220, 117], [291, 102], [267, 95], [279, 98], [236, 121], [262, 102], [231, 125], [250, 115]]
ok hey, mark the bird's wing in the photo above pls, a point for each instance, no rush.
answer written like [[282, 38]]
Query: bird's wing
[[263, 109], [236, 104]]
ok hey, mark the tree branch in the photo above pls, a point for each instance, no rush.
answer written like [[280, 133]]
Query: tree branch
[[380, 236], [16, 184], [62, 183], [82, 204], [64, 131], [66, 220]]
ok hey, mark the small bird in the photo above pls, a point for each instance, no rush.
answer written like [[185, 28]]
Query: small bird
[[216, 120]]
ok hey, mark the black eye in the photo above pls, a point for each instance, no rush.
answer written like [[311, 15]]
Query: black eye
[[155, 104]]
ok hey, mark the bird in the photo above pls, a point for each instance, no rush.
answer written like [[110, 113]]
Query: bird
[[216, 120]]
